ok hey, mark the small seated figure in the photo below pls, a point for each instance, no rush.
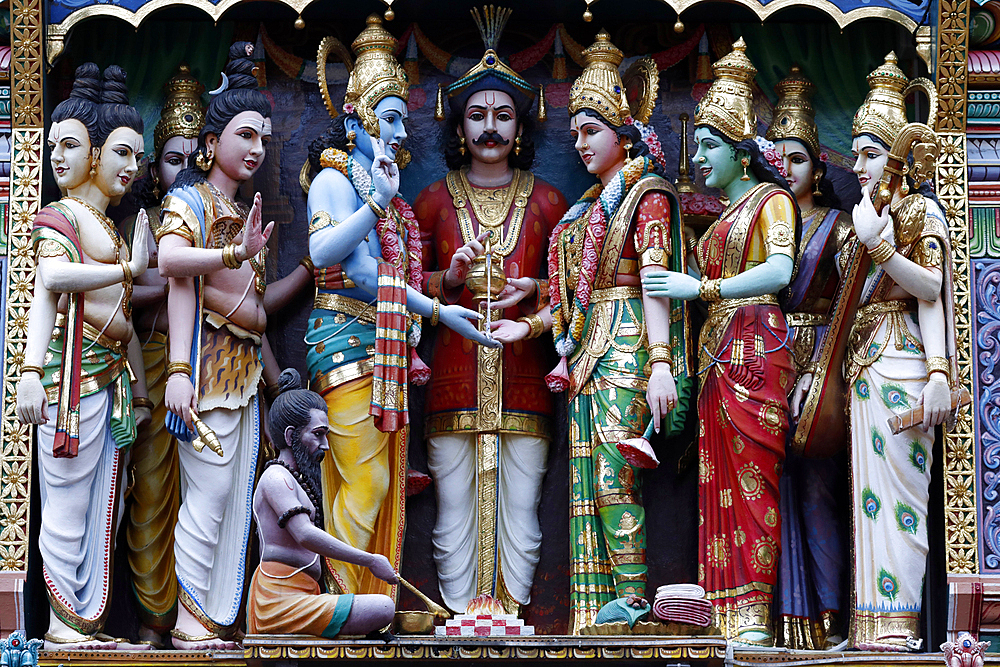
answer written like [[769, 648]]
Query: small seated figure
[[285, 595]]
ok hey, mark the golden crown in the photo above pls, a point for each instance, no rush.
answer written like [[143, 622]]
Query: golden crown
[[884, 112], [728, 104], [376, 74], [600, 86], [182, 114], [794, 115]]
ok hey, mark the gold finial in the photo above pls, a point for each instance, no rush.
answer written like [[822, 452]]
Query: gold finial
[[376, 74], [794, 115], [182, 114], [728, 104], [684, 182], [600, 86]]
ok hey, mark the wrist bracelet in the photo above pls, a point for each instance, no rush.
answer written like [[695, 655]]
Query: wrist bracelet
[[126, 272], [271, 391], [710, 289], [229, 257], [175, 367], [882, 252], [934, 364], [435, 311], [142, 402], [690, 244], [27, 368], [378, 210], [308, 263], [536, 327]]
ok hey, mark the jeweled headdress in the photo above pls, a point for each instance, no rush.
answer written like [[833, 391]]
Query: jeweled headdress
[[183, 114], [375, 74], [600, 86], [728, 104], [794, 115], [490, 73], [883, 114]]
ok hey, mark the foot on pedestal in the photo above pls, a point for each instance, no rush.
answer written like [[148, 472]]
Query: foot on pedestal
[[70, 640], [207, 641]]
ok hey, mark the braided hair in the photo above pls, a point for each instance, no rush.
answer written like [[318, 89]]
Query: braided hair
[[240, 95]]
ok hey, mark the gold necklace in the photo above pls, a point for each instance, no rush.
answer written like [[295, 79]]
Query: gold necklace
[[518, 192], [490, 205], [116, 239], [238, 209]]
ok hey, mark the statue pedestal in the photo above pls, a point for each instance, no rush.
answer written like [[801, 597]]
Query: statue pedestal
[[485, 625]]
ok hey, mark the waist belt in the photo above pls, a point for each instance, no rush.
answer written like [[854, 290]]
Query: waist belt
[[806, 319], [731, 305], [364, 312], [620, 293]]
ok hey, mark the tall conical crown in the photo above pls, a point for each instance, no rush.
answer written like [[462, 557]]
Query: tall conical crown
[[728, 104], [884, 112], [600, 86], [182, 114], [376, 74], [794, 115]]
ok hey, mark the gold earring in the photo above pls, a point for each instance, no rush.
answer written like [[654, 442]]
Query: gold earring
[[93, 169], [817, 177], [905, 187], [461, 145], [628, 147], [204, 160], [156, 187], [517, 145], [746, 163], [351, 136]]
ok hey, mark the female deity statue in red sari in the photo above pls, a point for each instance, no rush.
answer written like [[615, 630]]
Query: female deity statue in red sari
[[744, 259]]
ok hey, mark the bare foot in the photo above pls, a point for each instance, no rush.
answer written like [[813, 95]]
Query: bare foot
[[190, 635], [152, 637], [204, 643], [74, 641]]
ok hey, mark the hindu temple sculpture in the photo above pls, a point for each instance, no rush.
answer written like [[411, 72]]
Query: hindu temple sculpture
[[285, 595], [365, 244], [624, 355], [488, 410], [745, 259], [900, 365], [75, 384], [212, 249], [813, 557]]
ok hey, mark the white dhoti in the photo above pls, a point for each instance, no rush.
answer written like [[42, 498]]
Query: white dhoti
[[80, 512], [452, 462], [210, 540]]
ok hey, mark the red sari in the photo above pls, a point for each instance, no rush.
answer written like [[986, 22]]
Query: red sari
[[746, 369]]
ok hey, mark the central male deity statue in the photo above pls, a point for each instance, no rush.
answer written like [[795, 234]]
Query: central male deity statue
[[488, 411]]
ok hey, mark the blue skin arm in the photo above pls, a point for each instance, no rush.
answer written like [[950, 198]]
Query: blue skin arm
[[333, 193], [768, 278]]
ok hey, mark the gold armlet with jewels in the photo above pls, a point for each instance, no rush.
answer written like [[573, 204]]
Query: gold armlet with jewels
[[535, 323], [710, 289], [940, 364], [882, 252], [320, 219]]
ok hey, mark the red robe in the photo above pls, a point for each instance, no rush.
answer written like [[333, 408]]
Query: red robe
[[527, 403]]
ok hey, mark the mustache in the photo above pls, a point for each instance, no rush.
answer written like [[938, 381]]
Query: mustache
[[490, 136]]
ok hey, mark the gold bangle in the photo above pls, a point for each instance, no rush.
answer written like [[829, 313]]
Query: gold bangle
[[535, 325], [308, 263], [690, 244], [660, 354], [271, 391], [710, 289], [184, 367], [435, 311], [378, 210], [142, 402], [126, 272], [27, 368], [882, 252], [938, 364], [229, 257]]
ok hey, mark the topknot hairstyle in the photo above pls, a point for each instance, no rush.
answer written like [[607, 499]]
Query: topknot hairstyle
[[292, 407], [240, 95], [82, 103], [115, 110]]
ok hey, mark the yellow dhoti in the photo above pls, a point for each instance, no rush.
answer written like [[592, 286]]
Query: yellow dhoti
[[364, 486], [155, 500], [286, 601]]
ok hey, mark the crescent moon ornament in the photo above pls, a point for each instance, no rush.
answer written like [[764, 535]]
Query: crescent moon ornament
[[222, 88]]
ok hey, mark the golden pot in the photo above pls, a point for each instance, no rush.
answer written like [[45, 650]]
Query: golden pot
[[475, 279], [414, 623]]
